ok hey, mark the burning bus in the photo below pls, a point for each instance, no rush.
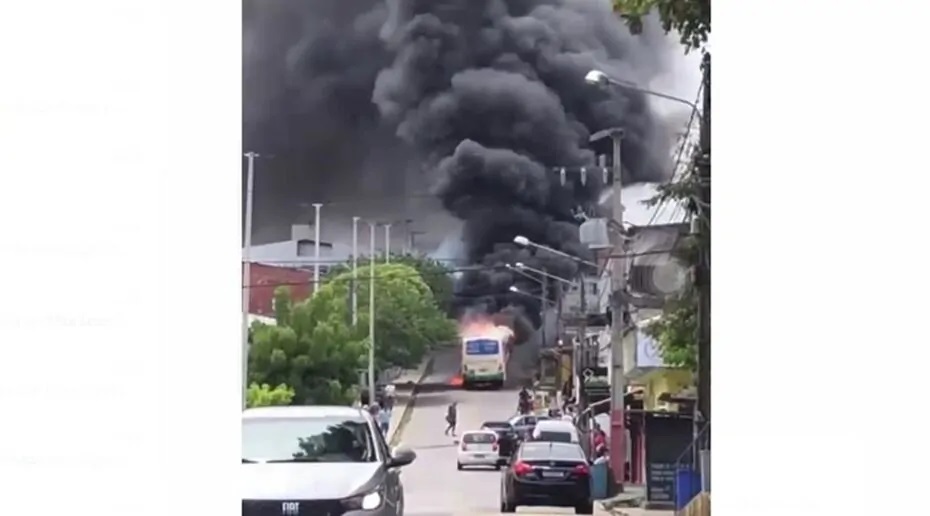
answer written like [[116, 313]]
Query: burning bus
[[486, 348]]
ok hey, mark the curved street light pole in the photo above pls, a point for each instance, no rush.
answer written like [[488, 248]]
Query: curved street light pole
[[601, 79]]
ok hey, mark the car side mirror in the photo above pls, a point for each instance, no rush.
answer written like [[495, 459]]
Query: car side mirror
[[401, 456]]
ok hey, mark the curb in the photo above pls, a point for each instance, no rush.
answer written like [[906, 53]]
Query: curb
[[407, 411]]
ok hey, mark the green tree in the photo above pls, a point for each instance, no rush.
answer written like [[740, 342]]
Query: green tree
[[318, 359], [264, 396], [434, 273], [690, 18], [676, 332], [314, 349], [408, 321], [282, 305]]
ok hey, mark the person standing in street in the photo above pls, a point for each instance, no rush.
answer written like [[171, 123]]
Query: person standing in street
[[384, 421], [451, 418], [389, 391]]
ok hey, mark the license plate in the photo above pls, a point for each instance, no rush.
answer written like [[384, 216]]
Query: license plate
[[479, 455], [552, 474]]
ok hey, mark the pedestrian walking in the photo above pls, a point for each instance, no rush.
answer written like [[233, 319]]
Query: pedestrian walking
[[389, 394], [451, 418], [384, 421]]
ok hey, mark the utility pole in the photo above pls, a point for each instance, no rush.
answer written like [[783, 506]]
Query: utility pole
[[387, 243], [558, 340], [544, 310], [355, 271], [247, 273], [702, 273], [316, 247], [407, 247], [371, 316], [617, 327], [582, 347]]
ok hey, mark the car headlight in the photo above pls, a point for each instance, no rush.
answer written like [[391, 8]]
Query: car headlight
[[365, 502]]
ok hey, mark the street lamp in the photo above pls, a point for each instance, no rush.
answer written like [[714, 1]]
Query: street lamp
[[371, 315], [355, 221], [602, 80], [247, 274], [523, 267], [515, 290], [523, 273], [526, 242]]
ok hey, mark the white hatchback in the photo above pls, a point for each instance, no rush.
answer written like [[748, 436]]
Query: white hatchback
[[479, 448]]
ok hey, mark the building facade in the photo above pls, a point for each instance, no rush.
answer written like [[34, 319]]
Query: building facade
[[266, 278]]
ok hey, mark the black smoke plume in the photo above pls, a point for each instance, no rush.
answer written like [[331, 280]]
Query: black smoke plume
[[482, 99]]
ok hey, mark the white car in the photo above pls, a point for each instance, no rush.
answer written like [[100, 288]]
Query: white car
[[557, 431], [478, 448]]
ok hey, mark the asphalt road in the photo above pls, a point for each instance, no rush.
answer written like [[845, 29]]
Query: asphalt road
[[433, 485]]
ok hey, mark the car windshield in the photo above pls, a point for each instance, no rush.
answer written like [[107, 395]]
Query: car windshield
[[497, 425], [541, 451], [479, 437], [553, 436], [315, 439]]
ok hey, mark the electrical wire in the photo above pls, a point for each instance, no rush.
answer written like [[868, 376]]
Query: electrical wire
[[363, 261], [472, 268], [681, 148]]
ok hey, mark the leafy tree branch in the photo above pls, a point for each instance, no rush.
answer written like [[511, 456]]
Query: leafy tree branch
[[689, 18]]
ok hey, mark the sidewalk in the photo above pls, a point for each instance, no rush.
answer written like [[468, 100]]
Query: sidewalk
[[402, 398]]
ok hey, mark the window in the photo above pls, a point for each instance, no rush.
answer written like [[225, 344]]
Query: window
[[479, 438], [305, 248], [317, 439], [554, 437], [482, 347], [546, 451]]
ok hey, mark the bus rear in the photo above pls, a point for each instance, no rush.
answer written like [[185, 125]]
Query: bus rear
[[484, 361]]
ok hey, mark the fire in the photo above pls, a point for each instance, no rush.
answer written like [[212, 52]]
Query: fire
[[482, 325]]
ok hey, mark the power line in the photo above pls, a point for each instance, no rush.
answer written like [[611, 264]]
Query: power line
[[426, 274], [661, 207], [464, 268]]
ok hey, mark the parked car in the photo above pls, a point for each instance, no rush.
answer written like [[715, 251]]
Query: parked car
[[479, 448], [547, 474], [524, 424], [556, 430], [310, 460], [507, 438]]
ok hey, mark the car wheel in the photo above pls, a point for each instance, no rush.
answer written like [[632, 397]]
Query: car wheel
[[459, 466], [585, 508]]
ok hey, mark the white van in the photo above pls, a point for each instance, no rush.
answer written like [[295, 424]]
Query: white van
[[555, 430]]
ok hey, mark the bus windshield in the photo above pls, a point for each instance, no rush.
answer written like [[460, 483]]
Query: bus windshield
[[482, 347]]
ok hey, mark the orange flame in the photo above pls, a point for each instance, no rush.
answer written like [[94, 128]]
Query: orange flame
[[482, 325]]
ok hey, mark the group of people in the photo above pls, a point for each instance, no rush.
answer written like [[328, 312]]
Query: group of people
[[379, 410]]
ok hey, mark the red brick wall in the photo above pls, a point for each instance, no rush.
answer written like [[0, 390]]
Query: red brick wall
[[266, 278]]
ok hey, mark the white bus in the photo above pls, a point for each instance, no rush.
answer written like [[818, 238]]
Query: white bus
[[484, 361]]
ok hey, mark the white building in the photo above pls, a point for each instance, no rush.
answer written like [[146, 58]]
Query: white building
[[299, 251]]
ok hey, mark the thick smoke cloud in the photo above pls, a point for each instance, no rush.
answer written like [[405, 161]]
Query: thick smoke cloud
[[483, 98]]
